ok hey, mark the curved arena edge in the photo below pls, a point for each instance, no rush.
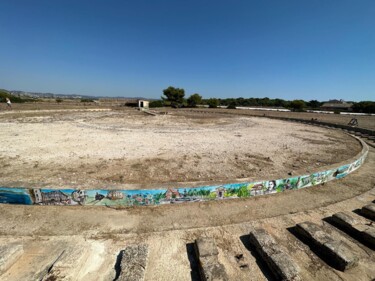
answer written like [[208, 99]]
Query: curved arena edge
[[152, 197]]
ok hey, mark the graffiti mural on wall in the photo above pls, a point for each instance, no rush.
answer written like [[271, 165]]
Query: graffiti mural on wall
[[171, 195]]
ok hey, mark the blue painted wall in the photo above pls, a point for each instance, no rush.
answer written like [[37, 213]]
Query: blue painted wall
[[176, 195]]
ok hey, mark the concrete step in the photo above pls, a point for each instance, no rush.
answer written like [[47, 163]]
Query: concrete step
[[209, 266], [337, 253], [65, 266], [278, 261], [36, 259], [356, 227], [368, 211], [9, 254]]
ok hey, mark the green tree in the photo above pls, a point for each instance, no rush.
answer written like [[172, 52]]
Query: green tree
[[194, 99], [280, 102], [265, 102], [364, 107], [232, 105], [314, 104], [297, 105], [174, 95], [213, 103]]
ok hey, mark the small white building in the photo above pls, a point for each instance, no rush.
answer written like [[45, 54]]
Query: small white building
[[143, 104]]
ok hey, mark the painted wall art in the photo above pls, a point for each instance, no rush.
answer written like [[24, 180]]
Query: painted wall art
[[176, 195]]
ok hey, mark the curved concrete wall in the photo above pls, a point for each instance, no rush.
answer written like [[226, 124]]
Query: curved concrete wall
[[176, 195]]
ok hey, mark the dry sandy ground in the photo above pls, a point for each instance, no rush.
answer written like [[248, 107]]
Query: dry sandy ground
[[118, 148]]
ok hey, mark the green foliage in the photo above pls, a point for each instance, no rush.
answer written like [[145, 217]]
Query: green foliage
[[313, 104], [224, 102], [156, 103], [364, 107], [232, 105], [159, 196], [174, 95], [279, 102], [87, 100], [242, 191], [194, 99], [297, 105], [4, 94], [229, 192], [212, 195], [14, 99], [199, 192], [59, 100], [254, 102], [213, 103]]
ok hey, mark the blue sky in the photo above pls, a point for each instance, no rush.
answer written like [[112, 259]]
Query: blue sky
[[291, 49]]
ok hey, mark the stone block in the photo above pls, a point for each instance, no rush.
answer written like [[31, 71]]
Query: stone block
[[209, 266], [133, 263], [214, 272], [345, 220], [369, 236], [369, 211], [206, 247], [336, 252], [356, 227], [279, 262], [9, 254]]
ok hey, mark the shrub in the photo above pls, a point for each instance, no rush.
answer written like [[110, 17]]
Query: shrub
[[364, 107], [156, 103], [213, 103], [87, 100], [232, 105], [193, 100], [297, 105]]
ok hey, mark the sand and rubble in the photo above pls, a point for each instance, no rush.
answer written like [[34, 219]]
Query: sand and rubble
[[118, 148]]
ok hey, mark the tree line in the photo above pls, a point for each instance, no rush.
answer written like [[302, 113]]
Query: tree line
[[175, 97]]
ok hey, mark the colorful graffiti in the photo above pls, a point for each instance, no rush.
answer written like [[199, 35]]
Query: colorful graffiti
[[177, 195]]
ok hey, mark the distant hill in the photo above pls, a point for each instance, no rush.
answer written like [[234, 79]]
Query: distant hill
[[4, 94], [23, 94]]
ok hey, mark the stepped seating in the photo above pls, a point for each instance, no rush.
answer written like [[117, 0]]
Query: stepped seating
[[278, 261]]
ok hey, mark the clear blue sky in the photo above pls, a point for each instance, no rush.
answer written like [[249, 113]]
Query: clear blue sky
[[292, 49]]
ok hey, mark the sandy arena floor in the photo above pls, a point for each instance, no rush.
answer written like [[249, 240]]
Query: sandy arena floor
[[113, 149]]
